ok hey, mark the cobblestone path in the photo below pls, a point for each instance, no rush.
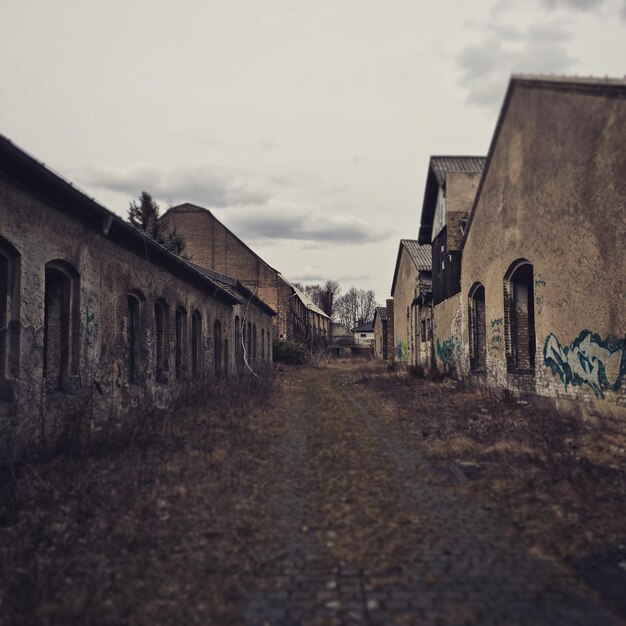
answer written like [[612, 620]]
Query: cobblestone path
[[366, 532]]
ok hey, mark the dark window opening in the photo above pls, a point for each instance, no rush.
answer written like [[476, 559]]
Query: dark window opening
[[254, 344], [477, 327], [9, 314], [181, 342], [519, 316], [161, 320], [196, 343], [238, 344], [217, 344], [134, 338], [61, 324]]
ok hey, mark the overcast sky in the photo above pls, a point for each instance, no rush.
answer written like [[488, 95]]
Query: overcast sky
[[305, 126]]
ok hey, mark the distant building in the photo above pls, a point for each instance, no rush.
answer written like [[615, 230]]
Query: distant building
[[381, 349], [411, 289], [364, 335], [451, 185], [213, 246]]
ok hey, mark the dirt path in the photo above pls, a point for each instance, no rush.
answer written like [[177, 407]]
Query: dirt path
[[368, 532], [319, 508]]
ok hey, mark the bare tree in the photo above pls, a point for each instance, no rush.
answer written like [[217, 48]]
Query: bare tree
[[355, 307]]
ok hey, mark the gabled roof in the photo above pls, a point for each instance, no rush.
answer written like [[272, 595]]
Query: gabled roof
[[30, 173], [421, 255], [368, 327], [438, 168], [611, 87], [381, 311], [308, 303], [234, 287]]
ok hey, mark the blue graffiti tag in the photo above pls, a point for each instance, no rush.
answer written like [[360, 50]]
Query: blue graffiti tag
[[445, 351], [588, 360]]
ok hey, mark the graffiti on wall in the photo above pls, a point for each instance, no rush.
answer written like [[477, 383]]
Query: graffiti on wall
[[496, 332], [402, 349], [588, 360], [445, 351]]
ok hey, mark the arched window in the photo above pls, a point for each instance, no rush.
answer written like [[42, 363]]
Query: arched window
[[254, 344], [519, 316], [135, 334], [238, 346], [162, 340], [196, 343], [217, 342], [181, 341], [61, 323], [249, 342], [9, 312], [477, 327], [262, 344]]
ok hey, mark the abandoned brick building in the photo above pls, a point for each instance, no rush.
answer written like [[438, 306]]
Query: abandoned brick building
[[411, 289], [210, 244], [97, 320], [528, 263], [544, 271], [451, 184]]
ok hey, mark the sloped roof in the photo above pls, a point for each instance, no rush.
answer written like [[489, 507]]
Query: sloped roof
[[613, 87], [368, 327], [234, 287], [308, 303], [441, 165], [438, 167], [381, 311], [20, 166], [420, 254]]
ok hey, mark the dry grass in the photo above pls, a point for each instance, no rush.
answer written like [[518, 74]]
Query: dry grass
[[561, 479], [140, 526]]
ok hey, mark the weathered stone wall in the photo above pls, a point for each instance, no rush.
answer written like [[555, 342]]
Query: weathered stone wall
[[97, 385], [555, 196]]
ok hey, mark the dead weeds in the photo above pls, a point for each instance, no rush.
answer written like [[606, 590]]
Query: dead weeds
[[561, 479]]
